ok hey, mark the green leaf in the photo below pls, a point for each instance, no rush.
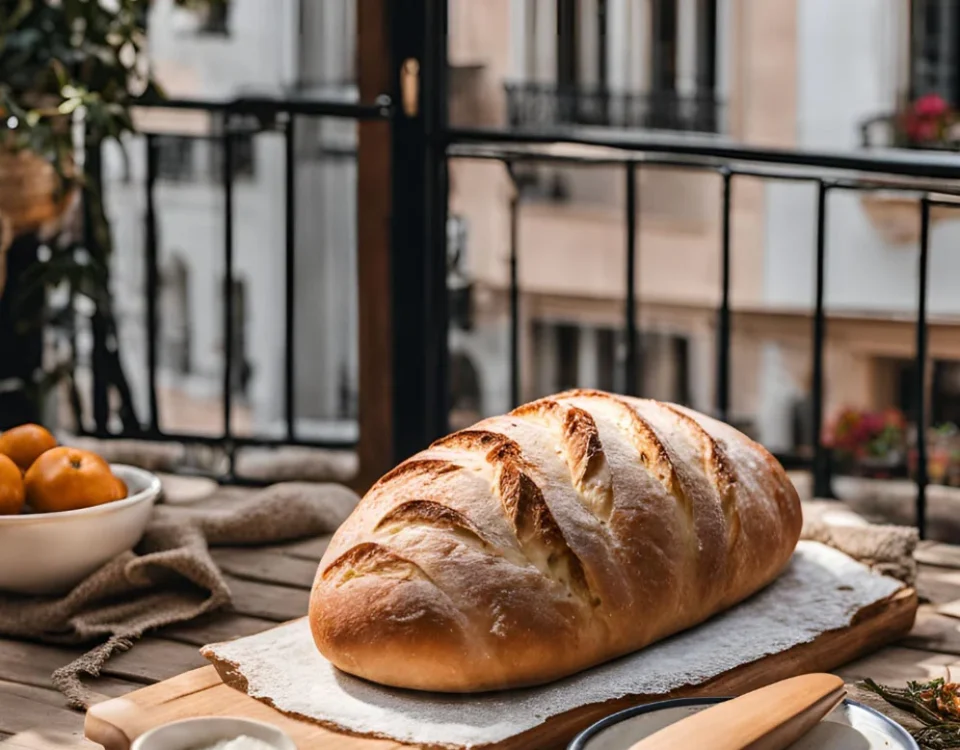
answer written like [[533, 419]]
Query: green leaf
[[69, 106]]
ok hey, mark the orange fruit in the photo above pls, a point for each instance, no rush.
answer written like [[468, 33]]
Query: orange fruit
[[25, 443], [67, 478], [11, 487]]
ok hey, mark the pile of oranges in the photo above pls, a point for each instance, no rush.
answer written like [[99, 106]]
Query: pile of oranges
[[50, 477]]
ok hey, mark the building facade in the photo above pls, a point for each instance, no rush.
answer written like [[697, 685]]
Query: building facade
[[793, 74], [286, 49]]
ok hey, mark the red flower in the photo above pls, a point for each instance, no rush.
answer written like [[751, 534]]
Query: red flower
[[930, 106], [920, 130]]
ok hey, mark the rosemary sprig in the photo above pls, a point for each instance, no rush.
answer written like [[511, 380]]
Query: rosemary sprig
[[935, 703]]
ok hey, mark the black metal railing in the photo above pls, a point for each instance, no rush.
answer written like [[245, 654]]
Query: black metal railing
[[423, 143], [237, 118], [830, 173], [539, 106]]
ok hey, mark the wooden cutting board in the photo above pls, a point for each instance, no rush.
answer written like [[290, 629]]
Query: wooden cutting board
[[116, 723]]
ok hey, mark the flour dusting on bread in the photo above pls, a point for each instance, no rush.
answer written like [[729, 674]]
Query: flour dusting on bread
[[575, 529]]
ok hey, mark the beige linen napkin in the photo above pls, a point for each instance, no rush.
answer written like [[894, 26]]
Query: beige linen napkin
[[169, 578]]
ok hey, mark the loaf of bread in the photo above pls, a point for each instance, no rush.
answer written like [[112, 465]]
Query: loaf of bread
[[531, 546]]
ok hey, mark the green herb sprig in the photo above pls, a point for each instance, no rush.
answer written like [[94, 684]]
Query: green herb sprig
[[935, 703]]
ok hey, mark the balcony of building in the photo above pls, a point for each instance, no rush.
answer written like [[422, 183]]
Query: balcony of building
[[538, 106]]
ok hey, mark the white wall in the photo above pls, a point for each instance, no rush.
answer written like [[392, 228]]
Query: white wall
[[259, 53], [849, 58]]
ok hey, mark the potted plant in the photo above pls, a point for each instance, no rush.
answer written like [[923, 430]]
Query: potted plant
[[943, 454], [928, 122], [70, 71], [868, 443]]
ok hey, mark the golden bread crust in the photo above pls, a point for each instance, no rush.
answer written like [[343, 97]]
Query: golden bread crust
[[573, 530]]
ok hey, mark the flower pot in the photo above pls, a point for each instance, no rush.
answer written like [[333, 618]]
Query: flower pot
[[880, 467], [31, 196], [30, 190]]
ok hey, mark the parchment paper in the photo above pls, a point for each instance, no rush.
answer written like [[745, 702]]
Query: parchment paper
[[821, 590]]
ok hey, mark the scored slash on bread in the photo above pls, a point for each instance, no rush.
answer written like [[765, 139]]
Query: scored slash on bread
[[573, 530]]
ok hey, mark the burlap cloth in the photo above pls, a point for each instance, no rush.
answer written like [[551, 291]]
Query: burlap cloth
[[169, 578], [886, 549]]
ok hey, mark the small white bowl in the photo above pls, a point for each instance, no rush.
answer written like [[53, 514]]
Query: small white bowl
[[49, 553], [194, 734], [849, 725]]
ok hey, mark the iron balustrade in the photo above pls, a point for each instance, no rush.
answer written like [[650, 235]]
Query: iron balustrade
[[829, 172], [539, 106], [422, 145], [268, 115]]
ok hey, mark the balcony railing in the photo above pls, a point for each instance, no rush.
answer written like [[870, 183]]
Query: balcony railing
[[535, 106], [415, 314]]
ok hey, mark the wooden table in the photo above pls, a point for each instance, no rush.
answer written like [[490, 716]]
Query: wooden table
[[271, 585]]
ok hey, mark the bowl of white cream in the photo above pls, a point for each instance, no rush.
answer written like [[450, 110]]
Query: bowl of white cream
[[214, 733], [850, 726]]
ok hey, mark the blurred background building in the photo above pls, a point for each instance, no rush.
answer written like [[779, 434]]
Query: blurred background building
[[287, 49], [793, 74]]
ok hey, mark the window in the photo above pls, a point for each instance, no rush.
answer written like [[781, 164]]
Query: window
[[934, 46], [568, 356], [215, 17], [945, 399], [175, 157], [663, 58], [663, 364], [459, 286], [663, 369], [607, 367], [243, 148], [175, 323], [465, 397], [179, 160], [672, 85], [241, 368]]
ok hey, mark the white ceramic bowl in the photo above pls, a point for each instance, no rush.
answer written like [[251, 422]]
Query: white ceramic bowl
[[194, 734], [850, 726], [49, 553]]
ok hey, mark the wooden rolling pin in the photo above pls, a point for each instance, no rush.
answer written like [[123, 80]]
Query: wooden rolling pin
[[771, 718]]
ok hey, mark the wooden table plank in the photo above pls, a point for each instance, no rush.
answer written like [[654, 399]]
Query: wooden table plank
[[214, 628], [268, 601], [938, 585], [934, 632], [33, 663], [938, 554], [30, 663], [252, 564], [308, 549], [45, 740], [895, 665], [25, 707], [154, 659]]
